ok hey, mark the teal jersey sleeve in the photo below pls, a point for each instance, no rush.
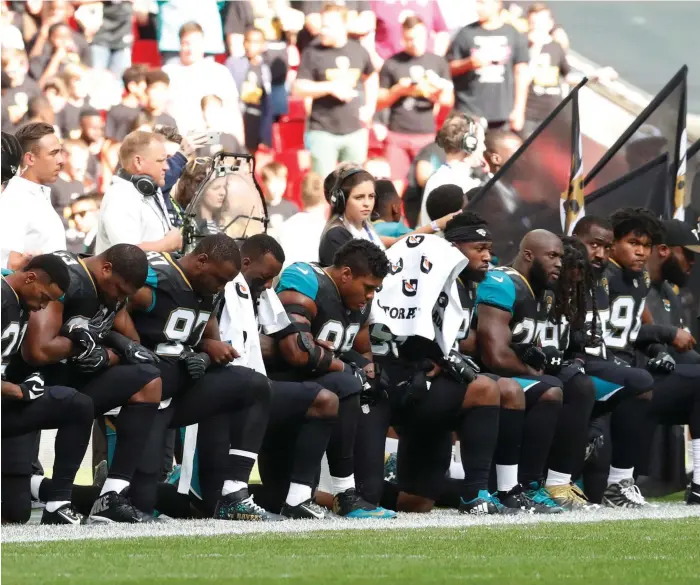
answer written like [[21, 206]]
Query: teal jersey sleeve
[[152, 277], [299, 277], [391, 229], [497, 290], [6, 271]]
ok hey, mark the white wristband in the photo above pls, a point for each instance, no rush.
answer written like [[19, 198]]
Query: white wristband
[[434, 226]]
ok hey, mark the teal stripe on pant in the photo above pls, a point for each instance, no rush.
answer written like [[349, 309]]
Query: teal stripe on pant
[[604, 389]]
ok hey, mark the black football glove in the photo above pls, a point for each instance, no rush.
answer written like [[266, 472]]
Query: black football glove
[[84, 341], [416, 388], [33, 387], [460, 367], [196, 363], [662, 363], [360, 374], [555, 360], [93, 361], [378, 387], [530, 355], [99, 326], [130, 350]]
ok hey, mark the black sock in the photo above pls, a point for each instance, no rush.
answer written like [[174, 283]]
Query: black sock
[[172, 503], [214, 459], [478, 434], [451, 494], [133, 428], [390, 496], [247, 431], [510, 436], [312, 441], [627, 431], [569, 446], [341, 446], [538, 433]]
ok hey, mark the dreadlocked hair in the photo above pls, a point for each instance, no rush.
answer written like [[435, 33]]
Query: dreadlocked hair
[[575, 283]]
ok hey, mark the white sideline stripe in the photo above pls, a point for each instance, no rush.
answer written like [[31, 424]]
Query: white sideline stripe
[[436, 519]]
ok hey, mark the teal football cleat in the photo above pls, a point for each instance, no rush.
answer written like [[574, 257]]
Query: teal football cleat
[[484, 504], [350, 505], [541, 500]]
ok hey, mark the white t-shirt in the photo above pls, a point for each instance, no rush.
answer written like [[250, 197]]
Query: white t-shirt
[[127, 217], [456, 174], [300, 236], [28, 222], [190, 83]]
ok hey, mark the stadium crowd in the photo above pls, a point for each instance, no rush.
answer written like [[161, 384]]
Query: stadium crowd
[[134, 296]]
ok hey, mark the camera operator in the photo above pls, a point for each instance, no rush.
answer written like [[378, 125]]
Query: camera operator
[[133, 209]]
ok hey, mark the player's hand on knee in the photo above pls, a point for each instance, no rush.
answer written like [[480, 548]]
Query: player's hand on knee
[[132, 351], [531, 356], [219, 352], [84, 342], [196, 363], [555, 360], [32, 387], [662, 362], [93, 361], [460, 367]]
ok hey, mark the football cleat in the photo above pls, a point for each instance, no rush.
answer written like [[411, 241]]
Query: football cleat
[[623, 495], [113, 507], [240, 506], [692, 498], [350, 505], [64, 515], [541, 500], [570, 497], [308, 510], [515, 500], [484, 504]]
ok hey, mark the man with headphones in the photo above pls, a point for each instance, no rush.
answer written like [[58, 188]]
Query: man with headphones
[[133, 209], [462, 139]]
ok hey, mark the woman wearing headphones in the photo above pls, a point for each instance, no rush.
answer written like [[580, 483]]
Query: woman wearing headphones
[[350, 192]]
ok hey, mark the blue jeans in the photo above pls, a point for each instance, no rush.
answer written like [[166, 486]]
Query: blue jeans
[[327, 150], [117, 61]]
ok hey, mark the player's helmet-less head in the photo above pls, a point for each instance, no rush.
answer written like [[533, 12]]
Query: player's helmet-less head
[[121, 271], [360, 267]]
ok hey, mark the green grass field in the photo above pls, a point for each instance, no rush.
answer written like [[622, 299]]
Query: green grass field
[[620, 552]]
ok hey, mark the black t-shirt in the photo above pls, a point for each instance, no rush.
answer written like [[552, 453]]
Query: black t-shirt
[[488, 91], [350, 62], [331, 242], [115, 32], [252, 93], [119, 121], [18, 96], [305, 38], [68, 120], [63, 193], [276, 59], [548, 68], [164, 120], [239, 17], [412, 114]]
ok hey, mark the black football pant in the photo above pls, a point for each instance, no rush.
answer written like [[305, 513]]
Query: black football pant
[[59, 408]]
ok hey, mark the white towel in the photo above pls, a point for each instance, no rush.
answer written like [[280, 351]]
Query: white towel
[[424, 269], [240, 327]]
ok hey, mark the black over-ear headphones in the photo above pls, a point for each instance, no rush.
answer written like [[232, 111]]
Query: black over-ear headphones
[[470, 140], [337, 195], [143, 183]]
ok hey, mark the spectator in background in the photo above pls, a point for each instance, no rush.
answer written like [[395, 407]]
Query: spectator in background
[[329, 73], [239, 18], [444, 200], [92, 133], [121, 117], [194, 173], [83, 217], [462, 139], [499, 146], [192, 77], [71, 180], [55, 91], [429, 159], [300, 235], [274, 185], [58, 53], [414, 84], [111, 45], [361, 21], [22, 88], [77, 88], [216, 118], [488, 61], [39, 110], [254, 82], [378, 167], [390, 17], [10, 25], [28, 222], [158, 97], [387, 211]]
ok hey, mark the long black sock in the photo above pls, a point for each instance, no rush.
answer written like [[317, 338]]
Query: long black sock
[[82, 496], [341, 446], [246, 436], [627, 431], [538, 433], [451, 494], [70, 446], [312, 441], [390, 496], [510, 436], [133, 428], [569, 446], [478, 434]]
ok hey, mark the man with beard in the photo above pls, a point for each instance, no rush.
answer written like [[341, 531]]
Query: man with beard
[[328, 343], [676, 395], [670, 265], [470, 233], [513, 307]]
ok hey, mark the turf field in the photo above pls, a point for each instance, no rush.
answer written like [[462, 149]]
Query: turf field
[[596, 547]]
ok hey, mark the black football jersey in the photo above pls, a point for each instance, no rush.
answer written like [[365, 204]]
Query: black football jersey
[[602, 315], [665, 305], [178, 315], [333, 323], [14, 322], [467, 298], [627, 297]]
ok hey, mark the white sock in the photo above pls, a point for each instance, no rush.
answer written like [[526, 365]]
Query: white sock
[[696, 460], [114, 485], [506, 477], [616, 475], [298, 493], [342, 484], [556, 478], [391, 445], [53, 506], [231, 487], [34, 484]]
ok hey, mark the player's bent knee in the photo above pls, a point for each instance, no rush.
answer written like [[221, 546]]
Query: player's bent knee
[[582, 387], [643, 396], [150, 393], [553, 394], [325, 405], [512, 395], [483, 391]]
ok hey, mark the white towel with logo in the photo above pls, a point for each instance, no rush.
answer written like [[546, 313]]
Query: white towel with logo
[[419, 296]]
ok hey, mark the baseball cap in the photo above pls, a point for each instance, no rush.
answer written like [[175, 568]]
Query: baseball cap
[[678, 233]]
